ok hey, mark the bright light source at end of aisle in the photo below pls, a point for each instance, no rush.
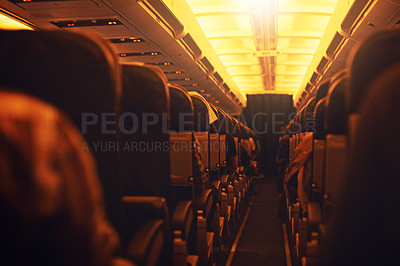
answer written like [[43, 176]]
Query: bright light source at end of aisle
[[8, 23]]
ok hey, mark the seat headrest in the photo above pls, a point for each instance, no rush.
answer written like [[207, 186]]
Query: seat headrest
[[335, 107], [322, 90], [223, 126], [79, 74], [319, 116], [146, 95], [308, 117], [378, 52], [181, 107], [217, 123], [201, 115]]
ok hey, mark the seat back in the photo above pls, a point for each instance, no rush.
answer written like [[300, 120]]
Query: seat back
[[377, 53], [80, 75], [202, 125], [144, 122], [319, 116], [336, 141], [181, 141], [308, 118], [214, 141], [222, 129], [336, 112]]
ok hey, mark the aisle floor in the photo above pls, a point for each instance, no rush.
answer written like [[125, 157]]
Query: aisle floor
[[262, 240]]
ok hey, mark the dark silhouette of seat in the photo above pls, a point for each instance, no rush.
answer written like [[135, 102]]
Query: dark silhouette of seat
[[375, 54], [335, 107], [80, 75], [363, 229], [144, 123]]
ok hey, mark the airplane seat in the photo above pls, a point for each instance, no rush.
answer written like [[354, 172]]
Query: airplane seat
[[322, 90], [202, 118], [51, 198], [319, 146], [359, 236], [180, 97], [222, 130], [86, 84], [309, 119], [215, 146], [375, 54], [336, 142], [143, 129]]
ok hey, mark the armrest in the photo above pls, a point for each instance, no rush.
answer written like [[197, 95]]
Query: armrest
[[147, 244], [182, 218], [146, 208], [204, 202]]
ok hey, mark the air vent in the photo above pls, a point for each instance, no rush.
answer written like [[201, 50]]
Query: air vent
[[226, 87], [174, 72], [334, 45], [237, 100], [355, 14], [322, 65], [232, 95], [87, 23], [207, 65], [304, 94], [165, 14], [309, 87], [218, 77], [314, 78], [162, 64], [140, 54], [182, 79], [127, 40], [192, 45], [191, 85]]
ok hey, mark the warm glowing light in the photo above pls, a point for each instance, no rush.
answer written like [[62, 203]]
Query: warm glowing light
[[232, 29], [8, 23]]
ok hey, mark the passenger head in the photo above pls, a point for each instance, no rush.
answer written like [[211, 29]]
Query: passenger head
[[50, 198], [364, 231], [378, 52]]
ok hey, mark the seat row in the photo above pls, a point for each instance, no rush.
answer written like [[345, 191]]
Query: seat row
[[169, 163], [326, 186]]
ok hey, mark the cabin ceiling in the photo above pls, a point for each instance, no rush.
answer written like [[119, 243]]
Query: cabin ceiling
[[222, 49], [265, 45]]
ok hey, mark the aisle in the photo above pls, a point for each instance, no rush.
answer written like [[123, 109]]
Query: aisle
[[262, 240]]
